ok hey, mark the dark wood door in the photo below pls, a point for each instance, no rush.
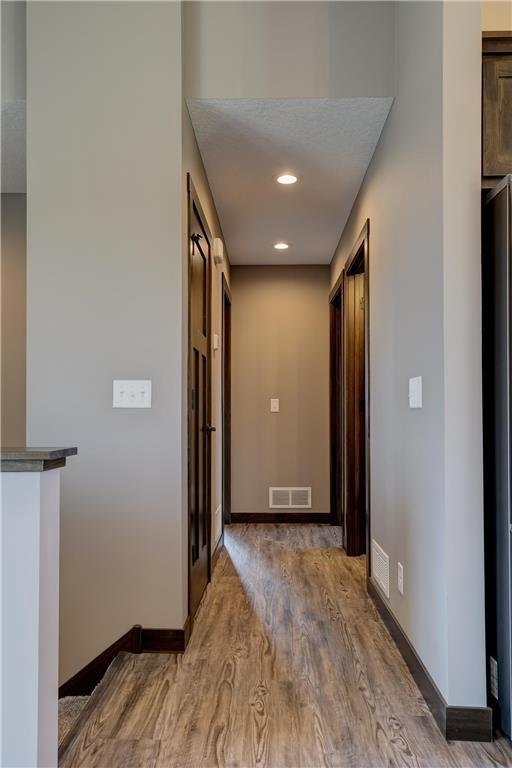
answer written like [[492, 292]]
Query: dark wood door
[[199, 406], [355, 415], [497, 115]]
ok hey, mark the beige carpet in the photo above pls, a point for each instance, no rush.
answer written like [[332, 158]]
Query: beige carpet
[[70, 708]]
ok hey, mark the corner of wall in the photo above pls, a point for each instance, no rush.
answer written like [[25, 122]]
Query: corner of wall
[[463, 463]]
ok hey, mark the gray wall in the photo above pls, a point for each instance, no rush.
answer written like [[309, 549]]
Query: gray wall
[[105, 301], [13, 51], [13, 93], [421, 194], [283, 49], [463, 463], [280, 348], [13, 321]]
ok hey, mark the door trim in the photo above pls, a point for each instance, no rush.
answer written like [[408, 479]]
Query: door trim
[[360, 257], [358, 260], [226, 403], [194, 203], [336, 395]]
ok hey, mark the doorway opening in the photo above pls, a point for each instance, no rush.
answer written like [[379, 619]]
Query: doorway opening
[[349, 400], [199, 401], [280, 394]]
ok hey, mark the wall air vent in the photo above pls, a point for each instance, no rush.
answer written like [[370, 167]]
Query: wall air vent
[[289, 498], [380, 567]]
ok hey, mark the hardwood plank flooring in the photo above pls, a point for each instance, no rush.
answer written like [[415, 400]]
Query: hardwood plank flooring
[[289, 665]]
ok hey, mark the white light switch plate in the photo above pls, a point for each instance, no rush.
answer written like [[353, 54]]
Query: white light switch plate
[[415, 392], [131, 393], [274, 405], [215, 341]]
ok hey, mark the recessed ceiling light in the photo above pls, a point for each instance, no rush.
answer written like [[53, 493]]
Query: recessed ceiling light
[[287, 178], [281, 246]]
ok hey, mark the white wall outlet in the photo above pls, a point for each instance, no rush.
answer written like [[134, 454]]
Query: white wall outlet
[[493, 677], [400, 578], [274, 405], [131, 393], [415, 392]]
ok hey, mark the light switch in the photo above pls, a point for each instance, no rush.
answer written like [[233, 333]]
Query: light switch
[[274, 405], [131, 393], [215, 341], [415, 392]]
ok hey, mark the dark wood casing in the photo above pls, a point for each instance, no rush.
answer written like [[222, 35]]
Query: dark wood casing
[[496, 106]]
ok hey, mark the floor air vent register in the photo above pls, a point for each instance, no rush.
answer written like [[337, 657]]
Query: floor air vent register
[[380, 567], [289, 498]]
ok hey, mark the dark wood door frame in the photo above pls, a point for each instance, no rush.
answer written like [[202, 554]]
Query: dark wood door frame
[[336, 402], [195, 213], [226, 402], [357, 262], [354, 410]]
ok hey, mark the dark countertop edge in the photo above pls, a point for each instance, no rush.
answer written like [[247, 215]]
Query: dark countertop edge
[[35, 454]]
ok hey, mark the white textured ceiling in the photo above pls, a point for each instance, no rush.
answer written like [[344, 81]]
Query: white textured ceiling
[[14, 162], [246, 143]]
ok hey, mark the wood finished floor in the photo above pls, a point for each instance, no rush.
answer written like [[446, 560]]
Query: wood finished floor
[[289, 665]]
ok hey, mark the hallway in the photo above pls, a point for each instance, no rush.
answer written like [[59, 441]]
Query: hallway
[[289, 664]]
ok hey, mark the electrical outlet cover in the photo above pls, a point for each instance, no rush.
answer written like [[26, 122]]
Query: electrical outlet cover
[[131, 393], [493, 677], [400, 578]]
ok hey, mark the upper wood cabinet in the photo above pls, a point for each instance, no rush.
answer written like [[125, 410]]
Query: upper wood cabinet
[[497, 105]]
